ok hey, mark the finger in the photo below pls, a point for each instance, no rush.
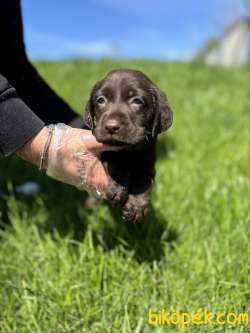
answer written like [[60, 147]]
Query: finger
[[106, 147], [96, 147]]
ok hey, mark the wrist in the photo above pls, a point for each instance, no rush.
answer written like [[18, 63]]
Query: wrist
[[32, 150]]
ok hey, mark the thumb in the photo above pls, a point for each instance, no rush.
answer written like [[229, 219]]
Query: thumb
[[95, 146], [106, 147]]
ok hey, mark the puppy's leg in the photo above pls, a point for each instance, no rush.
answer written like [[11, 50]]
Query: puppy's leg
[[119, 173], [138, 203], [136, 207], [116, 194]]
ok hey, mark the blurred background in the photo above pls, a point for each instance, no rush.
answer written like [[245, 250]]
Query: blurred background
[[214, 31]]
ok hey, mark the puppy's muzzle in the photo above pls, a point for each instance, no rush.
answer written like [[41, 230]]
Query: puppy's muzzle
[[112, 126], [115, 123]]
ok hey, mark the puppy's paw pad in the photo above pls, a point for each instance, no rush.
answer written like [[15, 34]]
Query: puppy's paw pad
[[134, 212], [117, 195], [120, 197]]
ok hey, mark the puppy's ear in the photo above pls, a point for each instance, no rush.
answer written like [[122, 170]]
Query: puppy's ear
[[89, 116], [88, 119], [163, 113]]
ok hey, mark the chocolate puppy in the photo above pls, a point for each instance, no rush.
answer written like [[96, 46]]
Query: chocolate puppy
[[127, 109]]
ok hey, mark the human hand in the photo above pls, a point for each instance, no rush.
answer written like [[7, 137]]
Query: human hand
[[73, 157]]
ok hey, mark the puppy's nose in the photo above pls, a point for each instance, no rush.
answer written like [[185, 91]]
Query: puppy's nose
[[112, 126]]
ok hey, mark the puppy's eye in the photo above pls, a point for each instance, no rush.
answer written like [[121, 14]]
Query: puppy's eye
[[137, 101], [101, 100]]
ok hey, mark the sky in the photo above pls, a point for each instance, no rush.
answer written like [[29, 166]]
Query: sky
[[155, 29]]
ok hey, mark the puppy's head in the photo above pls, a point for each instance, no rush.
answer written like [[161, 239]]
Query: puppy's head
[[126, 108]]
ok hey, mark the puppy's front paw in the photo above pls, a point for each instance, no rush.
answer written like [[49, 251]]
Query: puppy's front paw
[[116, 194], [135, 208]]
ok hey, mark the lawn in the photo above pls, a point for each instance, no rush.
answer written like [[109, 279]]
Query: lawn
[[64, 268]]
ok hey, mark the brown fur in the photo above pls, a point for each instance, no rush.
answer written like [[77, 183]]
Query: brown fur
[[126, 108]]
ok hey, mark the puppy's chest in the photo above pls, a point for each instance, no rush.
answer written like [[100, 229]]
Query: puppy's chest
[[129, 162], [125, 160], [121, 162]]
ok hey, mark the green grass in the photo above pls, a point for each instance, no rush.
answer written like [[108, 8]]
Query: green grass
[[67, 269]]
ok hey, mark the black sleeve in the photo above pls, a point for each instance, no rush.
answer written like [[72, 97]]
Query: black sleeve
[[18, 124]]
